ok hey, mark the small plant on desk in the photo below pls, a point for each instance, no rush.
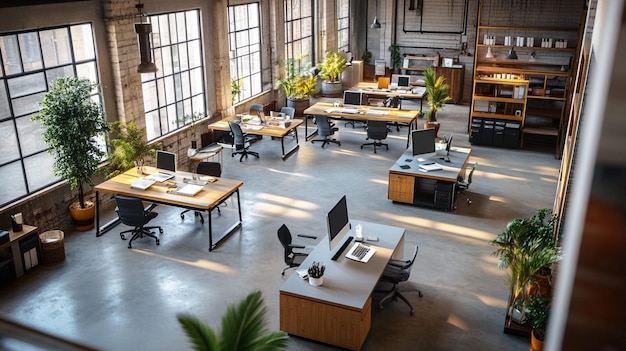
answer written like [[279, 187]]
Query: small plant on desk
[[316, 272]]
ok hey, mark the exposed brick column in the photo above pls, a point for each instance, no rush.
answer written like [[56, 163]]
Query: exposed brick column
[[122, 41]]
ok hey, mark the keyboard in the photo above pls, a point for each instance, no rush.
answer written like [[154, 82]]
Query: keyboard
[[360, 252], [350, 110]]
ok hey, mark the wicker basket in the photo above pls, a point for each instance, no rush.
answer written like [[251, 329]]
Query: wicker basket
[[52, 247]]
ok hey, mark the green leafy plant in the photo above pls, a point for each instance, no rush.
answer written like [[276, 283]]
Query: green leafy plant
[[235, 89], [296, 85], [192, 120], [524, 247], [72, 123], [396, 58], [538, 315], [243, 328], [366, 56], [129, 148], [334, 64], [436, 93], [316, 270]]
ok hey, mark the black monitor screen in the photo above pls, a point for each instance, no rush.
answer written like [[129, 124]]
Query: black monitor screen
[[166, 160], [403, 81], [423, 141], [338, 222], [352, 98], [449, 143]]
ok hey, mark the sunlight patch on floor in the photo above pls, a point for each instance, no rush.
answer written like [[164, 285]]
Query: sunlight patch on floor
[[204, 264]]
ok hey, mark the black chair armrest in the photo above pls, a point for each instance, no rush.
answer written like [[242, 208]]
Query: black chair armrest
[[297, 246], [307, 236], [397, 263]]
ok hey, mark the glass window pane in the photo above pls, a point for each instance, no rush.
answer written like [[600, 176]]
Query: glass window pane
[[30, 134], [180, 27], [26, 104], [195, 55], [167, 60], [197, 85], [55, 44], [39, 171], [193, 28], [88, 71], [8, 143], [198, 104], [152, 125], [163, 33], [150, 96], [182, 56], [4, 101], [10, 54], [170, 97], [186, 84], [18, 187], [65, 71], [26, 85], [29, 46], [82, 41]]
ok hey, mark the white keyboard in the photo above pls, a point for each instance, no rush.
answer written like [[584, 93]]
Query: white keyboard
[[350, 110], [377, 112]]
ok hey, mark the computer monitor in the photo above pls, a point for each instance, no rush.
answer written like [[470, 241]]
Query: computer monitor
[[166, 160], [338, 224], [352, 97], [404, 81], [261, 116], [447, 159], [423, 143]]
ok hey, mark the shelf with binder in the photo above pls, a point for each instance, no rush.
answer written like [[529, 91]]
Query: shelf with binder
[[19, 255]]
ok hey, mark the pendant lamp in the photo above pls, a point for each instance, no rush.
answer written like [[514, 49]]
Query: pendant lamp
[[376, 24], [512, 54], [143, 31], [489, 54]]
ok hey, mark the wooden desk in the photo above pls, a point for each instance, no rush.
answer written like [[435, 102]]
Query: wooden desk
[[207, 199], [339, 311], [365, 113], [434, 188], [272, 130], [16, 240], [404, 94]]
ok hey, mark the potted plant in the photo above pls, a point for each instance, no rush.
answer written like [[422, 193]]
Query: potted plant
[[235, 89], [297, 86], [243, 328], [72, 124], [538, 315], [524, 247], [330, 72], [316, 274], [192, 120], [129, 148], [436, 97], [366, 57], [396, 58]]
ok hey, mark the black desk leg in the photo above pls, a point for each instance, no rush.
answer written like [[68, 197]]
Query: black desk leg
[[97, 213], [210, 230]]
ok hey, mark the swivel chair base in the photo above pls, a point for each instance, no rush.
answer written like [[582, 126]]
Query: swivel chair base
[[396, 294], [244, 153], [376, 143], [327, 141], [139, 232]]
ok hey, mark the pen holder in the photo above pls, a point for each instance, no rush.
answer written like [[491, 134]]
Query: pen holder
[[316, 281]]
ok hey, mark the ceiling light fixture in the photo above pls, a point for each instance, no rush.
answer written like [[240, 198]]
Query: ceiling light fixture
[[512, 54], [376, 24], [143, 31]]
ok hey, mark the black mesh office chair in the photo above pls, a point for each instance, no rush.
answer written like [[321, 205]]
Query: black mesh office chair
[[393, 102], [292, 258], [396, 272], [132, 213], [290, 112], [462, 184], [241, 141], [325, 130], [377, 131], [213, 169]]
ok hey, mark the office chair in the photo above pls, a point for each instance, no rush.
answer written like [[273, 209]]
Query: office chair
[[292, 258], [131, 212], [377, 131], [256, 108], [462, 185], [290, 112], [213, 169], [241, 141], [325, 130], [398, 271], [393, 102]]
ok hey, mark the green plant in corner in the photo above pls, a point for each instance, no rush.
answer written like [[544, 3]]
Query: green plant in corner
[[396, 58], [243, 328], [73, 123], [538, 315], [366, 57], [436, 93], [129, 148], [296, 85], [235, 89], [192, 120]]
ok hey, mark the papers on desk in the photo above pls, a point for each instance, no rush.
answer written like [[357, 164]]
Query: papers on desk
[[433, 166], [160, 177], [377, 112], [142, 184], [189, 190], [253, 127]]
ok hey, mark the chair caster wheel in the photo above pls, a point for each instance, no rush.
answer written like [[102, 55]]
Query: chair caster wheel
[[158, 242], [122, 236], [420, 294], [161, 230], [182, 216], [469, 202], [412, 313], [130, 247], [202, 220]]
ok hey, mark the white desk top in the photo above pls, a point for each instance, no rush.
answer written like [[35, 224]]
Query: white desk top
[[450, 172], [347, 282]]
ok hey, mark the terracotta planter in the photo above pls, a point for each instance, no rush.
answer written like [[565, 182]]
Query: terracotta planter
[[83, 218], [535, 344], [435, 125]]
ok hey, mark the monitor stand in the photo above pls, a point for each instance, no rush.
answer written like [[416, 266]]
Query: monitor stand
[[342, 248], [447, 158]]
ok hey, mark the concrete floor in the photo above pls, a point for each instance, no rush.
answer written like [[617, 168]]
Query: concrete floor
[[113, 298]]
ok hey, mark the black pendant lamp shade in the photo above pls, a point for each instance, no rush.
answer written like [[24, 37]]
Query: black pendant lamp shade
[[512, 54], [375, 24], [143, 31]]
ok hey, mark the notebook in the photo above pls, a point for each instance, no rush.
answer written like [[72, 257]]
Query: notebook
[[189, 190], [360, 252], [432, 166], [142, 183]]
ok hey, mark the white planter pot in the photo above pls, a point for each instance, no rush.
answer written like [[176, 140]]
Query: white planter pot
[[316, 281], [332, 89]]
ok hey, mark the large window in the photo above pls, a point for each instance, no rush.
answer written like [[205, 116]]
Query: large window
[[244, 38], [299, 31], [177, 88], [343, 25], [29, 62]]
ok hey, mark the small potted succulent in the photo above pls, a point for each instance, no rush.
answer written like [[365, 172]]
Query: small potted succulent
[[316, 274]]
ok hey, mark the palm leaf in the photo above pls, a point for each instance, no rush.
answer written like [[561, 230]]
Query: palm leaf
[[202, 337]]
